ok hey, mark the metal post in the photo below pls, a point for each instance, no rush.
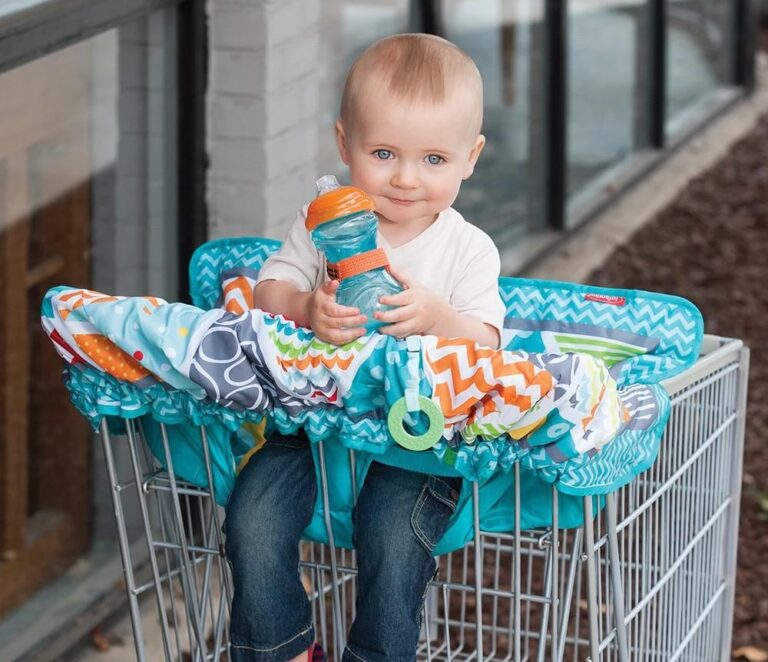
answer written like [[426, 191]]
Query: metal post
[[555, 551], [215, 513], [516, 547], [568, 597], [187, 574], [556, 111], [745, 43], [616, 577], [122, 537], [149, 539], [657, 76], [588, 558], [224, 576], [335, 597], [731, 538], [478, 568]]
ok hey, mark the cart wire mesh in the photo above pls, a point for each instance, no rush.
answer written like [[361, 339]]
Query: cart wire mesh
[[649, 576]]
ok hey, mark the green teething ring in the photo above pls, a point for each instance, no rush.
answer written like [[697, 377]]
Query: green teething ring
[[416, 442]]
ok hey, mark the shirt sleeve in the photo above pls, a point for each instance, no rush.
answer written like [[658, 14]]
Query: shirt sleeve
[[476, 289], [297, 261]]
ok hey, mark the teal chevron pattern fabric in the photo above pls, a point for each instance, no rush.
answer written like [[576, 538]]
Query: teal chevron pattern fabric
[[641, 337], [671, 328], [211, 259]]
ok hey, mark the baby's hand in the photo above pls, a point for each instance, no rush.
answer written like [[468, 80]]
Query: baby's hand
[[416, 309], [331, 321]]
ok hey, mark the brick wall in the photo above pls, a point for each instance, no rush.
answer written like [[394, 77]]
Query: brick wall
[[263, 113]]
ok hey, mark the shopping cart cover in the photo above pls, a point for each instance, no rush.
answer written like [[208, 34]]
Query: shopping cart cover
[[549, 400], [251, 364]]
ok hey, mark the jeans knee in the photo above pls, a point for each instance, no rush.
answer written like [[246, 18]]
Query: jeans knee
[[272, 502]]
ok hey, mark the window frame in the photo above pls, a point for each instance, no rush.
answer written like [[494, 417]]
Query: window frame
[[33, 29], [654, 139]]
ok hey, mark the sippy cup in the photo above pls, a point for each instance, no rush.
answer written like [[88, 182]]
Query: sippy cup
[[342, 224]]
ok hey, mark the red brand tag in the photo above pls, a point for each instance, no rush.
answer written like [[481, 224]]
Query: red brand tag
[[606, 298]]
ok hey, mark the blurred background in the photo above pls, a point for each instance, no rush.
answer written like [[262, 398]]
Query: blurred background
[[131, 132]]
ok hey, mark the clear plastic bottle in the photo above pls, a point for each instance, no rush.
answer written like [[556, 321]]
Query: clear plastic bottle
[[343, 225]]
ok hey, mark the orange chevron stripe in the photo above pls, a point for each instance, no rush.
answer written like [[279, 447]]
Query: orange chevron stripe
[[450, 409], [499, 369], [449, 363], [70, 294], [243, 285], [233, 306], [83, 294], [475, 354], [330, 362], [93, 299], [590, 417], [489, 407]]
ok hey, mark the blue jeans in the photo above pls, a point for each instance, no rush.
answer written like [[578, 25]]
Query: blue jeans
[[398, 519]]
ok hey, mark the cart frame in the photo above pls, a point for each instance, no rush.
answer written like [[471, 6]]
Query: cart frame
[[649, 576]]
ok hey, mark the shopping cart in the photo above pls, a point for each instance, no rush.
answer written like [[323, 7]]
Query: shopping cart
[[598, 559], [649, 576]]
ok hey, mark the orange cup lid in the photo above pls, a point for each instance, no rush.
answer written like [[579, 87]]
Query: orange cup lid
[[336, 203]]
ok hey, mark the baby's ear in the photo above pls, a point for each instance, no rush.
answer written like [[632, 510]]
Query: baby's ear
[[473, 156], [341, 141]]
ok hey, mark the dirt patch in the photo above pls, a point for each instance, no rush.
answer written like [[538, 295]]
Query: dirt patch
[[711, 246]]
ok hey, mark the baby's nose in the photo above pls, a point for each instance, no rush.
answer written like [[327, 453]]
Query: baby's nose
[[405, 177]]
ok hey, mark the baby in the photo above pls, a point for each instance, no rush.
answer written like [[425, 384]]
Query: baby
[[409, 131]]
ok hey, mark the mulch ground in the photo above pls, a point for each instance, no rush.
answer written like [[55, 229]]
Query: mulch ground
[[711, 246]]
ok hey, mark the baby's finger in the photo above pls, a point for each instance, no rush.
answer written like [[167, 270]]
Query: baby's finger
[[400, 277], [395, 315], [399, 330], [344, 336], [345, 321], [337, 310], [400, 299], [330, 286]]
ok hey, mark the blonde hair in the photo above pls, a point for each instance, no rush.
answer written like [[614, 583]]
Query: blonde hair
[[413, 67]]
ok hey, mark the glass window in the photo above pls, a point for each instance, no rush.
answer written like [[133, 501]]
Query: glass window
[[87, 198], [347, 29], [699, 51], [602, 42], [499, 37]]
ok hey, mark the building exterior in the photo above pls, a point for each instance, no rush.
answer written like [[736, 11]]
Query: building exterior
[[132, 130]]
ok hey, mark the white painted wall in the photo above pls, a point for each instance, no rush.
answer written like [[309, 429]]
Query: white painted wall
[[263, 110]]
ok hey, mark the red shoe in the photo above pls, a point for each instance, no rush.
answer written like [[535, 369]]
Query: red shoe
[[316, 654]]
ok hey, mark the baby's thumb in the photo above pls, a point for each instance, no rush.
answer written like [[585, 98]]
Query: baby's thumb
[[330, 287], [400, 278]]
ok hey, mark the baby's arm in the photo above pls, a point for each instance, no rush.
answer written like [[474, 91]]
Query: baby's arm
[[417, 311], [317, 310], [287, 287], [454, 324], [282, 298]]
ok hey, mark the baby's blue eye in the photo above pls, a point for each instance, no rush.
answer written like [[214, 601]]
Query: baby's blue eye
[[383, 154], [435, 159]]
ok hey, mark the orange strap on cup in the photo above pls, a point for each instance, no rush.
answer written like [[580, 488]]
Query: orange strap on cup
[[357, 264]]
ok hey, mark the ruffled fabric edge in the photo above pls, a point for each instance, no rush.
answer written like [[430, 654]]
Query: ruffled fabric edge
[[97, 395]]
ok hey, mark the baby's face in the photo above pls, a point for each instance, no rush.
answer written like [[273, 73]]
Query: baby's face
[[410, 157]]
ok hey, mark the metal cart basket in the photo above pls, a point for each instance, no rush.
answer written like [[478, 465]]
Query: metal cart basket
[[649, 576]]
